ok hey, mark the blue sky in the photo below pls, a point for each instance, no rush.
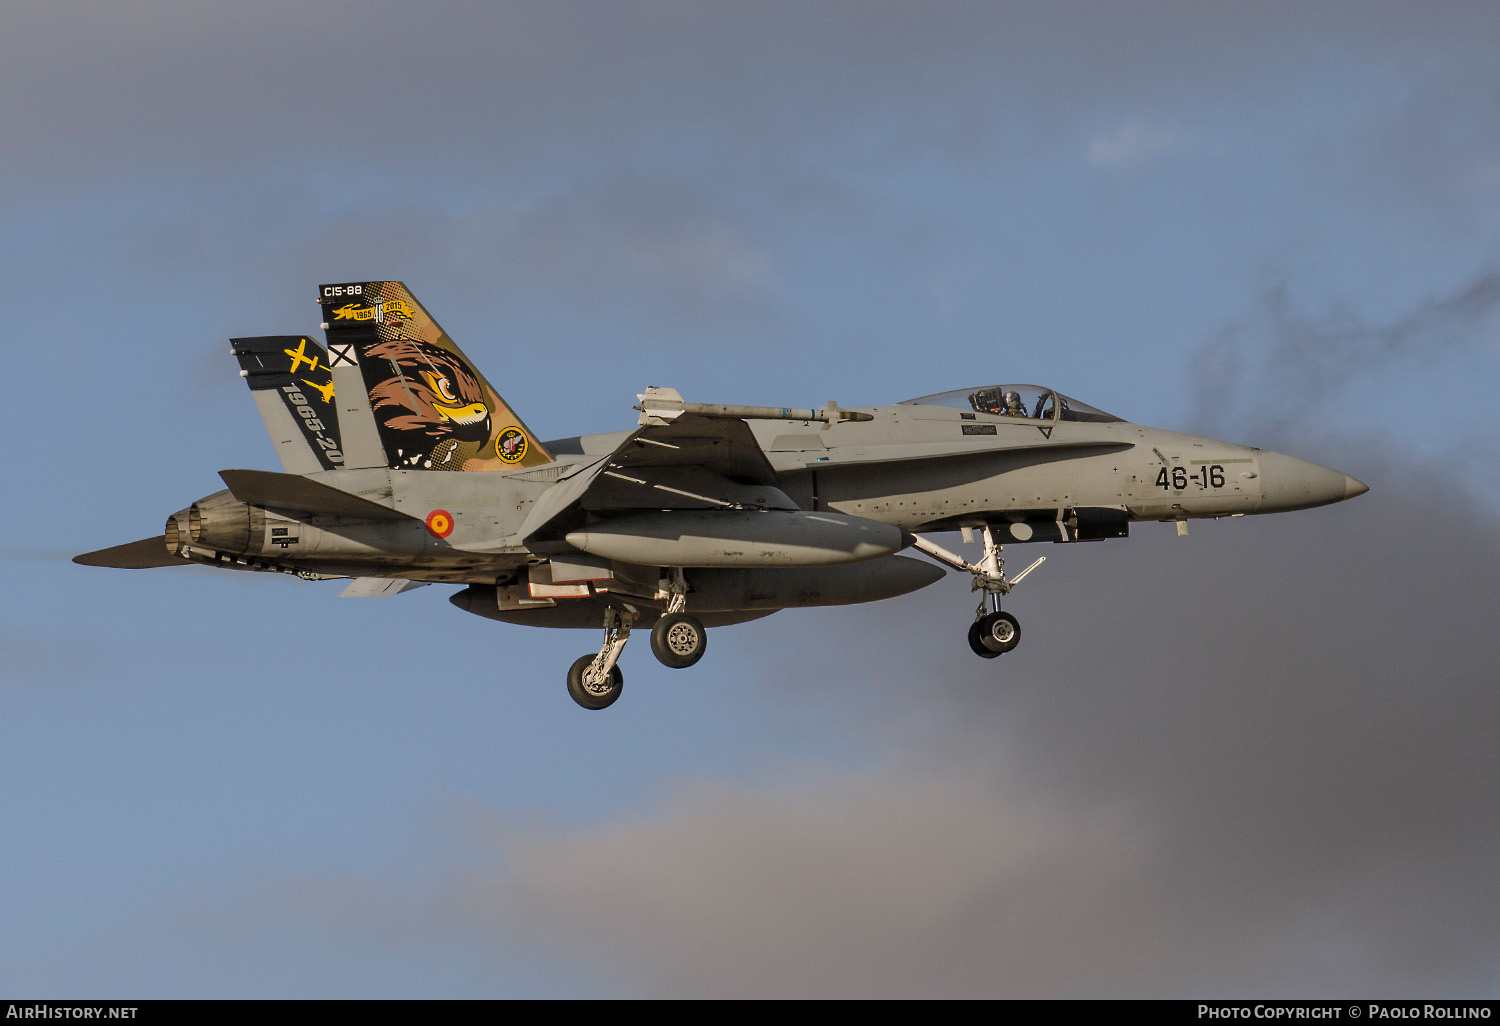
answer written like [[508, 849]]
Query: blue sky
[[1208, 766]]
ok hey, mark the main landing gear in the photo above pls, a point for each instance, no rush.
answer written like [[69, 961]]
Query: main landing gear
[[678, 640], [595, 682], [994, 631]]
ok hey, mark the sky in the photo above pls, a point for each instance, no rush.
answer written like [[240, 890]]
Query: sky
[[1256, 761]]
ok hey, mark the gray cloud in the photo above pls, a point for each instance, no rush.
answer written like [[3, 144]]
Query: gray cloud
[[650, 248], [1283, 364], [629, 243], [1256, 761], [516, 89], [890, 885], [1135, 143]]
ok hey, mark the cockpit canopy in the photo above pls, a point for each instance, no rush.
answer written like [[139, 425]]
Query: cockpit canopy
[[1028, 402]]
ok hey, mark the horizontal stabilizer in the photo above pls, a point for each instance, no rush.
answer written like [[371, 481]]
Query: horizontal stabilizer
[[295, 494], [379, 587], [136, 555]]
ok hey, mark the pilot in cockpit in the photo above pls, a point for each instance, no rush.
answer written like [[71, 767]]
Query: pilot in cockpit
[[1013, 407]]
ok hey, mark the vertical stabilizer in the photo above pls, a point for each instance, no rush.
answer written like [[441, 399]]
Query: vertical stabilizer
[[432, 410], [289, 378]]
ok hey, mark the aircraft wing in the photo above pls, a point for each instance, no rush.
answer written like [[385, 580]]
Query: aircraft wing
[[722, 445], [693, 462]]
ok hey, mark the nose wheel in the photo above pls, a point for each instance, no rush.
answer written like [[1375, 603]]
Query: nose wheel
[[976, 643], [994, 634]]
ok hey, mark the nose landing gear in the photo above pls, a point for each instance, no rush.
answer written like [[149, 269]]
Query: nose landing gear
[[993, 631]]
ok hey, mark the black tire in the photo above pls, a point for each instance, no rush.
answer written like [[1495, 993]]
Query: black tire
[[597, 698], [679, 640], [999, 632], [978, 645]]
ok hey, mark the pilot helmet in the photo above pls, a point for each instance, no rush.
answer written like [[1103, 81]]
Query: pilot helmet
[[1012, 398]]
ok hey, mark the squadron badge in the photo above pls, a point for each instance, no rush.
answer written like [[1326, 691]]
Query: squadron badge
[[510, 445]]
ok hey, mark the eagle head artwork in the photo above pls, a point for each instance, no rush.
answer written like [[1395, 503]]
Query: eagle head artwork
[[432, 411]]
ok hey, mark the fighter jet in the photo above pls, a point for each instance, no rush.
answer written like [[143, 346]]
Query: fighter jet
[[402, 466]]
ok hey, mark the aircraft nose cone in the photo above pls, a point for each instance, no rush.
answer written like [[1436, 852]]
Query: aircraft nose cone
[[1290, 483]]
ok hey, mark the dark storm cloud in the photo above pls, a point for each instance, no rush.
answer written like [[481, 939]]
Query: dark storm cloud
[[1259, 760], [1277, 365]]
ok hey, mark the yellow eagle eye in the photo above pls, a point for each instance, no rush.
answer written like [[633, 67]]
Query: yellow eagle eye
[[441, 386]]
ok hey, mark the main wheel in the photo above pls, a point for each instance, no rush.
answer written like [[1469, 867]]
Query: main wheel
[[977, 644], [679, 640], [999, 632], [594, 696]]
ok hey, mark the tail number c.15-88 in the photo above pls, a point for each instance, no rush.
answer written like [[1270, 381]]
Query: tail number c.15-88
[[1209, 476]]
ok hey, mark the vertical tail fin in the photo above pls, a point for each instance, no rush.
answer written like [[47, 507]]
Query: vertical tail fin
[[432, 410], [293, 388]]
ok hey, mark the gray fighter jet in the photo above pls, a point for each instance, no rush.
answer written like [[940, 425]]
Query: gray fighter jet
[[401, 466]]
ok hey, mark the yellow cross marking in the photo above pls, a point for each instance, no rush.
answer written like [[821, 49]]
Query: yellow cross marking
[[299, 356], [325, 390]]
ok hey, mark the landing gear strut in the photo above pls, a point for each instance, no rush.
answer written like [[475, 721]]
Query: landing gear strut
[[678, 639], [993, 631], [595, 682]]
